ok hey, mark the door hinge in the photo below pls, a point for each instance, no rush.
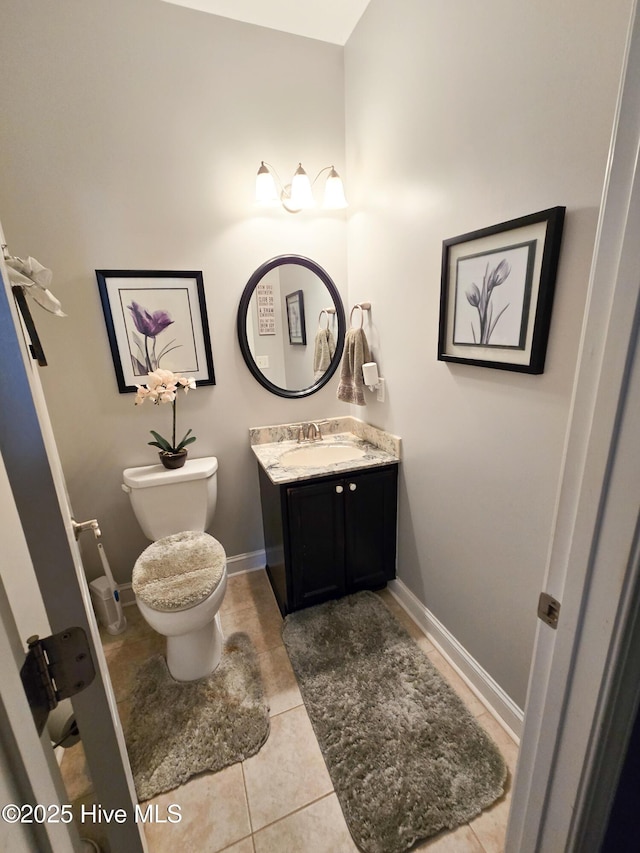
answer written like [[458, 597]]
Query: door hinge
[[548, 609], [55, 668]]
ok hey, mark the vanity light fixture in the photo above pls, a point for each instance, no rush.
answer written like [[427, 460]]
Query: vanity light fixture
[[298, 195]]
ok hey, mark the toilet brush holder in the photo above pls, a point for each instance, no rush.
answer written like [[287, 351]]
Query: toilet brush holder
[[107, 609]]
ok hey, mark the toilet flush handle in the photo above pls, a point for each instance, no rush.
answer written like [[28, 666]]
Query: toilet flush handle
[[125, 488]]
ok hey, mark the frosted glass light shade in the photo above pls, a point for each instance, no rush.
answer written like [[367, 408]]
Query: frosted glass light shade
[[301, 195], [334, 197], [266, 192]]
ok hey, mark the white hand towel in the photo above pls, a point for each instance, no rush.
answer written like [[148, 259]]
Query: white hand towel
[[325, 348], [356, 353]]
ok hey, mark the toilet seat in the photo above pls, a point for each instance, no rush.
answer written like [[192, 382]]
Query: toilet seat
[[179, 571]]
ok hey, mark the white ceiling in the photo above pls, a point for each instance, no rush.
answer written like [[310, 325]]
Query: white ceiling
[[327, 20]]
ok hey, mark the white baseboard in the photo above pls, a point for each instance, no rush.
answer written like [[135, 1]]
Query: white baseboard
[[492, 696], [235, 565], [250, 562]]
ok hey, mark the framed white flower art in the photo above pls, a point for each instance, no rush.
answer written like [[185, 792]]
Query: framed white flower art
[[497, 293], [156, 320]]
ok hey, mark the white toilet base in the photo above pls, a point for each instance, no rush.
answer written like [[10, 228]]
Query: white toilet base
[[194, 635], [194, 655]]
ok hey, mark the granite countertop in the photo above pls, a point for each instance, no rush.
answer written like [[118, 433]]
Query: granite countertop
[[269, 453]]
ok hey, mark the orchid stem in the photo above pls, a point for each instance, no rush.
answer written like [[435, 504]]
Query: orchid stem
[[173, 444]]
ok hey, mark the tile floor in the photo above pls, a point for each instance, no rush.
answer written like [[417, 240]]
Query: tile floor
[[280, 800]]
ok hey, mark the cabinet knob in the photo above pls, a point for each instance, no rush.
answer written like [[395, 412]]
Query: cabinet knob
[[352, 487], [339, 490]]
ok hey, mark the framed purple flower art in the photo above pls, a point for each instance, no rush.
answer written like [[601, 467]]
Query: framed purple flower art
[[496, 294], [156, 320]]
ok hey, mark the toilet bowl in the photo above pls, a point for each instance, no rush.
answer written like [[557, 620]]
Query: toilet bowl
[[174, 508]]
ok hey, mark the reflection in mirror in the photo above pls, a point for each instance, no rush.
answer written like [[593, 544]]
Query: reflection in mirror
[[291, 326]]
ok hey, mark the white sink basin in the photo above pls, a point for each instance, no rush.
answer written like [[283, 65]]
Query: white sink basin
[[317, 455]]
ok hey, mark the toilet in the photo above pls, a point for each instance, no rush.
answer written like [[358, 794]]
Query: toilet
[[180, 579]]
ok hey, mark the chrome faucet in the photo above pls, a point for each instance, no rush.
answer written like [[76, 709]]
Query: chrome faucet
[[317, 434], [309, 432]]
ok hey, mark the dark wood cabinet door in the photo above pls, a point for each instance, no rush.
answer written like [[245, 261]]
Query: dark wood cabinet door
[[370, 528], [316, 542]]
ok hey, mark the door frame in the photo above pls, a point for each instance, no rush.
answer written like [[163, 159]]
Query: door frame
[[39, 491], [583, 675], [26, 758]]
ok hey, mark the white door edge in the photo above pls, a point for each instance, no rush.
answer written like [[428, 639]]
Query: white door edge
[[35, 477], [563, 699], [35, 773]]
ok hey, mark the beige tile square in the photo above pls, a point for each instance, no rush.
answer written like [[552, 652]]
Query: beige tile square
[[214, 814], [425, 644], [460, 840], [280, 683], [125, 659], [249, 589], [503, 741], [288, 772], [467, 695], [137, 629], [490, 827], [244, 846], [75, 773], [264, 626], [318, 828]]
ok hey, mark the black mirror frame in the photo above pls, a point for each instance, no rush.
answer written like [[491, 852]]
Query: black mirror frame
[[243, 308]]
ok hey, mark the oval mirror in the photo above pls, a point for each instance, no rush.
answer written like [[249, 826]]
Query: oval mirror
[[291, 326]]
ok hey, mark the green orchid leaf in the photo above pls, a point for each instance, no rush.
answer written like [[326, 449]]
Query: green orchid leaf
[[160, 442], [186, 441]]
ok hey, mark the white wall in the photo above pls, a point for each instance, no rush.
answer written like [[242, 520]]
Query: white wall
[[460, 116], [131, 134]]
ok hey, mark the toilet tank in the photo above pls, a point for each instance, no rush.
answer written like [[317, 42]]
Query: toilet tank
[[167, 502]]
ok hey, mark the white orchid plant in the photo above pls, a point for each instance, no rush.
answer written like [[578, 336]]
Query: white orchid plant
[[162, 387]]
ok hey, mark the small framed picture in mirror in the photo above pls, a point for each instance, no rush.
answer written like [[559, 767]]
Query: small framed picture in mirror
[[295, 318]]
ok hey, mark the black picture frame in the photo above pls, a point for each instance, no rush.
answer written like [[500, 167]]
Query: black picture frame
[[295, 318], [139, 303], [496, 297]]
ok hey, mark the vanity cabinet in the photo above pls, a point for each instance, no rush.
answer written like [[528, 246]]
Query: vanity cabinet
[[329, 536]]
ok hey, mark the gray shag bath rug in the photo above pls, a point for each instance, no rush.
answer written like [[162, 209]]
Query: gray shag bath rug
[[406, 758], [177, 729]]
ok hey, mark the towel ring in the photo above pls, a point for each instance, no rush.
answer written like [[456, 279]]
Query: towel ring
[[329, 312], [363, 306]]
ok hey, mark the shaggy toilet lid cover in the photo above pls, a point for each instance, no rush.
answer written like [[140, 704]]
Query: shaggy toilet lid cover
[[178, 571]]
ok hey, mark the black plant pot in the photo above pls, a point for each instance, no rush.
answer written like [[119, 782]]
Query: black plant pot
[[173, 460]]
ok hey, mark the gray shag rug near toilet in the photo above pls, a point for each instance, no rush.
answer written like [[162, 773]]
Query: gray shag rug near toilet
[[177, 729], [406, 758]]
